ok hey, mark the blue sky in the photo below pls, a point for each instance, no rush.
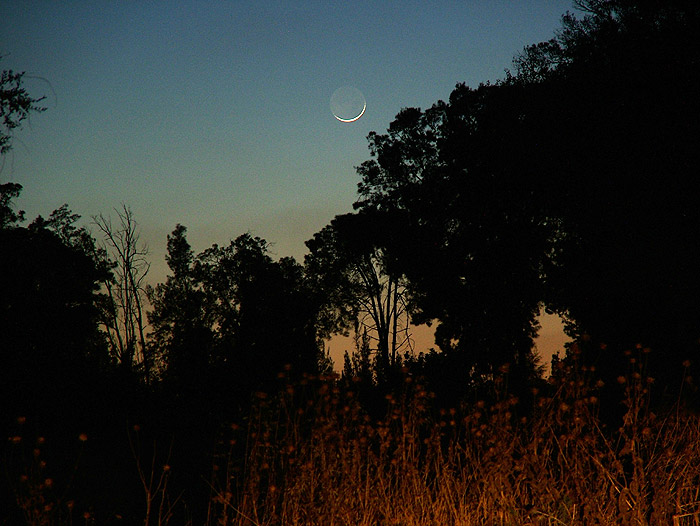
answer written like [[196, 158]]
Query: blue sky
[[216, 114]]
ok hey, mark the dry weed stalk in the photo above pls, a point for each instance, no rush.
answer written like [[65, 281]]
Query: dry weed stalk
[[154, 481]]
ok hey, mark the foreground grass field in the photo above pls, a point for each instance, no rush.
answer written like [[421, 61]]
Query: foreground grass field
[[312, 455]]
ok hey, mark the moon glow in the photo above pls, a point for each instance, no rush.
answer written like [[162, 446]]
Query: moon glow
[[348, 104]]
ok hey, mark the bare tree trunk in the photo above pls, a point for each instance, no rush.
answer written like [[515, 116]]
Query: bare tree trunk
[[395, 328], [123, 317], [383, 304]]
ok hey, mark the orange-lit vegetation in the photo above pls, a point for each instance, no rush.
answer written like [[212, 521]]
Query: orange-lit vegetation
[[315, 458], [312, 455]]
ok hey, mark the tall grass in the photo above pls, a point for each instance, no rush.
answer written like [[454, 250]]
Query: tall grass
[[314, 457]]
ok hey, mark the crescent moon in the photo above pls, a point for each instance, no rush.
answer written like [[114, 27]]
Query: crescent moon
[[364, 107]]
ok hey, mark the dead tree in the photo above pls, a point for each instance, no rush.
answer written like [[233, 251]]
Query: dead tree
[[122, 315]]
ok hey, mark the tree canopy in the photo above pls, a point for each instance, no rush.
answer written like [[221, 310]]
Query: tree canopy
[[568, 183]]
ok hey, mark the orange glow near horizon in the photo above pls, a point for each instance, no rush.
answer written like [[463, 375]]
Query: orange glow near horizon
[[550, 340]]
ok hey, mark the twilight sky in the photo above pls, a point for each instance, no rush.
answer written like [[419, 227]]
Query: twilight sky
[[215, 114]]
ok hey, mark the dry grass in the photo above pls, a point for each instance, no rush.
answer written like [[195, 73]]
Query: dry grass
[[314, 458]]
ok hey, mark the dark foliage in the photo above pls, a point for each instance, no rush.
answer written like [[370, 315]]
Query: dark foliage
[[570, 183], [15, 106]]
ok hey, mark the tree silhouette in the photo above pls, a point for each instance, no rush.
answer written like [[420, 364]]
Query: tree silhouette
[[472, 244], [16, 105], [8, 217], [264, 315], [350, 264], [50, 340], [182, 335], [612, 114], [569, 183], [358, 364], [123, 315], [231, 317]]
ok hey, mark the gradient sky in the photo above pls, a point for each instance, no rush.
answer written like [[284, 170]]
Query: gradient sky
[[216, 114]]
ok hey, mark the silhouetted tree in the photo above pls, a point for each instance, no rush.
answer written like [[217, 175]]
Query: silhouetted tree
[[8, 217], [611, 119], [123, 315], [354, 274], [473, 244], [50, 340], [571, 182], [263, 313], [181, 321], [233, 315], [358, 364], [15, 106]]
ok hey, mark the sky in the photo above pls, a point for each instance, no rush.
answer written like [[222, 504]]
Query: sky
[[216, 114]]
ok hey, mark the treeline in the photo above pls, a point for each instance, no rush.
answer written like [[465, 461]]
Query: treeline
[[568, 184]]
